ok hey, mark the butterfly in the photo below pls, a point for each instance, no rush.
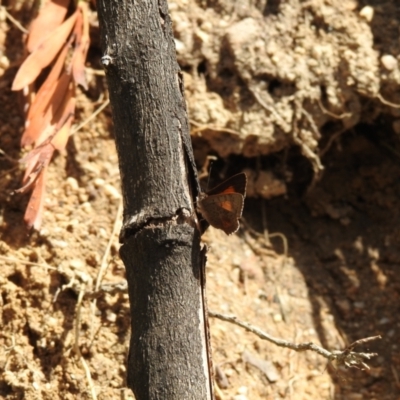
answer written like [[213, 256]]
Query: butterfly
[[222, 206]]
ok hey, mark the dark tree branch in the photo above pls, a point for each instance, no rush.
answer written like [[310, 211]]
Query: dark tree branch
[[168, 357]]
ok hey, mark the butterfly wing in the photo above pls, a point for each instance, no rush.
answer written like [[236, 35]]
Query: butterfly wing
[[223, 211], [222, 206], [234, 184]]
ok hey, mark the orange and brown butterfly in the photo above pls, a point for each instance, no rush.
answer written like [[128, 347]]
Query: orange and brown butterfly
[[222, 206]]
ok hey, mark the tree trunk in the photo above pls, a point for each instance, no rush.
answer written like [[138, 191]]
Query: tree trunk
[[168, 357]]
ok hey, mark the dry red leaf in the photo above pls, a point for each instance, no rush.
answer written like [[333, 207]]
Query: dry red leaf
[[64, 120], [46, 91], [43, 55], [51, 113], [34, 211], [35, 161], [34, 128], [51, 15], [36, 131], [31, 172], [61, 137], [61, 92], [82, 43]]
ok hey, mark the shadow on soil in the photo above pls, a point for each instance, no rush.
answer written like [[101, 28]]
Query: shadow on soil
[[344, 236]]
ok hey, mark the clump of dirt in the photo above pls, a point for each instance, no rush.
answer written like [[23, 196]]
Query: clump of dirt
[[282, 74], [304, 96]]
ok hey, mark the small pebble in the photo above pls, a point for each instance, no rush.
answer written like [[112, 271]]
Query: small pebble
[[243, 390], [72, 183], [98, 182], [367, 13], [277, 317], [389, 62], [111, 191], [77, 263]]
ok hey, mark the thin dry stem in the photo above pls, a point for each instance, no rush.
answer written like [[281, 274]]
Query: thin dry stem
[[76, 344], [331, 140], [345, 357], [31, 264], [92, 116], [331, 114], [14, 21], [201, 127], [386, 102], [104, 262]]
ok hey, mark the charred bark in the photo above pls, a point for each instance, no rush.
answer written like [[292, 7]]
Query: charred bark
[[168, 356]]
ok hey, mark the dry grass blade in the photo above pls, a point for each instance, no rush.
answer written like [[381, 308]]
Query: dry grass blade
[[51, 16], [43, 55]]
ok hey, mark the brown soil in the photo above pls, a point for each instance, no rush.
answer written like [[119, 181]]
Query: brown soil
[[281, 89]]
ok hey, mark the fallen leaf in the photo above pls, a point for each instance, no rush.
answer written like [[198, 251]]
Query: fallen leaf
[[46, 91], [50, 16], [34, 211], [37, 130], [43, 55], [35, 160], [81, 45], [60, 139]]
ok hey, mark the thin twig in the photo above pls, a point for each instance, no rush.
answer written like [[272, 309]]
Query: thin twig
[[201, 127], [380, 98], [9, 171], [331, 140], [305, 149], [7, 157], [98, 72], [31, 264], [331, 114], [92, 116], [76, 344], [14, 21], [386, 102], [104, 262], [269, 108], [345, 357], [108, 288], [312, 123]]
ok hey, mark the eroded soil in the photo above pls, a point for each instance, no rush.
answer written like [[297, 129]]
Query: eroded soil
[[303, 87]]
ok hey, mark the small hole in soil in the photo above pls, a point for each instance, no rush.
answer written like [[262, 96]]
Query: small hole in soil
[[33, 336], [274, 85], [272, 7], [202, 68], [17, 279], [186, 68]]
